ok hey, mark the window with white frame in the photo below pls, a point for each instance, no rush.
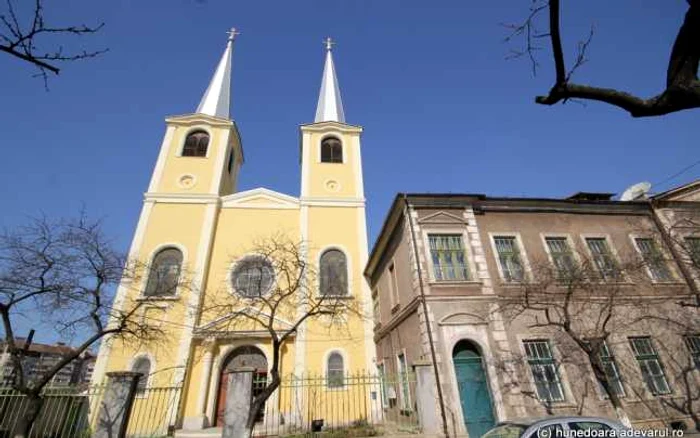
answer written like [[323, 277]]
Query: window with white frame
[[164, 273], [382, 382], [612, 372], [404, 388], [561, 254], [693, 343], [544, 370], [335, 371], [509, 258], [653, 259], [448, 257], [649, 363], [603, 258]]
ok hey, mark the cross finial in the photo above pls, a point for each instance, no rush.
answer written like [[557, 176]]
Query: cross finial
[[329, 43], [232, 34]]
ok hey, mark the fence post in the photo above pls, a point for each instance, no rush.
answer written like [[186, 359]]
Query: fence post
[[239, 397], [426, 398], [115, 408]]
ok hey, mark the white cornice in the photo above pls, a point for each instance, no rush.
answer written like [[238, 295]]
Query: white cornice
[[181, 198], [191, 119], [333, 202], [274, 200], [332, 126]]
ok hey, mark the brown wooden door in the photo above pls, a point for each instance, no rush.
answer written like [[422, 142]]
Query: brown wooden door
[[221, 399]]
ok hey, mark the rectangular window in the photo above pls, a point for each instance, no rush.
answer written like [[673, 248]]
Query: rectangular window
[[383, 384], [692, 246], [612, 372], [649, 363], [653, 259], [509, 258], [562, 256], [393, 289], [449, 259], [544, 370], [693, 342], [603, 258], [375, 308], [403, 381]]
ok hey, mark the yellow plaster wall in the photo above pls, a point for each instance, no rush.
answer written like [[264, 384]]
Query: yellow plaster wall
[[343, 173]]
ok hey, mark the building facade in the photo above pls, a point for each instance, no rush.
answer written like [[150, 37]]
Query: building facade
[[476, 285], [195, 223]]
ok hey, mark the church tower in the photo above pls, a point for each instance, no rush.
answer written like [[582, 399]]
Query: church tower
[[196, 224]]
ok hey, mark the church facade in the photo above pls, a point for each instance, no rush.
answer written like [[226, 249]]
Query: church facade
[[195, 223]]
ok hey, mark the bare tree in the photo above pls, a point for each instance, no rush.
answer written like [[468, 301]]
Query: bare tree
[[63, 273], [281, 292], [23, 30], [581, 302], [682, 90]]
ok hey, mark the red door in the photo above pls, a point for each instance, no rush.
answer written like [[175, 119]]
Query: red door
[[259, 379]]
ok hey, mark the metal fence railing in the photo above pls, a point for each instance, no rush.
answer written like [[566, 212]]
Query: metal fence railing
[[65, 413], [353, 405], [153, 412]]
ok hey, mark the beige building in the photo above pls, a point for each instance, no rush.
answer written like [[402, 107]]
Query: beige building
[[450, 273]]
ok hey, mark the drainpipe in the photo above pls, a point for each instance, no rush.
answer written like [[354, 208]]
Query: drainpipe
[[668, 240], [407, 212]]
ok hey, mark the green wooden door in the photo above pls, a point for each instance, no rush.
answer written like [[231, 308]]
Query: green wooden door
[[474, 393]]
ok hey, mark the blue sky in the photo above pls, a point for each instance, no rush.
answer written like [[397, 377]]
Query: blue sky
[[442, 108]]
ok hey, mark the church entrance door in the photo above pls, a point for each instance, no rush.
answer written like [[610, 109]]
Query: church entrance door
[[245, 356]]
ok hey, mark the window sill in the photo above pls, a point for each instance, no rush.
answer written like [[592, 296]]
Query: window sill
[[677, 283], [327, 298], [455, 283], [156, 298]]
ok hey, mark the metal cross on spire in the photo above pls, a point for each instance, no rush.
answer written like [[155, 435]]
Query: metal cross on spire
[[329, 43], [232, 34]]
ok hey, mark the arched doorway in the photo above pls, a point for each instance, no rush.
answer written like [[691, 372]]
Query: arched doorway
[[474, 393], [245, 356]]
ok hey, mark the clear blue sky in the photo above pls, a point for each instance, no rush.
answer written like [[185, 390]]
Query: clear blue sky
[[442, 108]]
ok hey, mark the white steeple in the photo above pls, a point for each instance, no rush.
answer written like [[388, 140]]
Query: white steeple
[[330, 106], [217, 99]]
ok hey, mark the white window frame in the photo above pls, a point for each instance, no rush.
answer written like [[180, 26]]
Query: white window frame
[[348, 267], [558, 364], [613, 251], [569, 241], [405, 398], [660, 364], [659, 247], [601, 390], [144, 281], [190, 130], [527, 271], [468, 255], [346, 367], [319, 155]]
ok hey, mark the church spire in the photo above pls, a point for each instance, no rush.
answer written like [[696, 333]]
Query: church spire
[[330, 105], [217, 99]]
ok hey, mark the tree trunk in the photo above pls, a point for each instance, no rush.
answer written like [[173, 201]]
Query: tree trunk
[[30, 414], [601, 376]]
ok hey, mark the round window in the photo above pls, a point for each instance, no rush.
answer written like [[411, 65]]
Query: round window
[[252, 277]]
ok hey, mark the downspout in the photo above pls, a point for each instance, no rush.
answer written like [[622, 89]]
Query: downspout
[[668, 240], [407, 212]]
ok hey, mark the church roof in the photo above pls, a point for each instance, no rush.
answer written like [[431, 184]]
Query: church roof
[[330, 105], [217, 99]]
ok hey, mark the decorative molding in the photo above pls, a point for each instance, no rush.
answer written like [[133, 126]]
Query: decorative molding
[[442, 217], [197, 118], [270, 198]]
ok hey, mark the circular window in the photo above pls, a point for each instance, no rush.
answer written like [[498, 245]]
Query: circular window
[[252, 277]]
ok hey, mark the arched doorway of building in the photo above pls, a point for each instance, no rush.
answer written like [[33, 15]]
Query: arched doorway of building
[[474, 393], [245, 356]]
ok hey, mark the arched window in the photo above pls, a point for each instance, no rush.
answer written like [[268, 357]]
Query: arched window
[[142, 365], [164, 273], [334, 273], [196, 144], [335, 371], [331, 150]]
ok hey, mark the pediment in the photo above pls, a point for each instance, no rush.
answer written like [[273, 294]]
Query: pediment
[[260, 198], [242, 320], [442, 217], [463, 318]]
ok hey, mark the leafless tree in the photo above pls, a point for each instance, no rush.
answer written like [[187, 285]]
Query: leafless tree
[[24, 34], [581, 302], [63, 273], [280, 303], [682, 90]]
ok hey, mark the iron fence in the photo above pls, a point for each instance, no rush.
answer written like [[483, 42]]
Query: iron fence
[[153, 412], [66, 412], [359, 404]]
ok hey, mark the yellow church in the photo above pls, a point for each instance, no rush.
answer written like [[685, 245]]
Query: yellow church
[[195, 224]]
